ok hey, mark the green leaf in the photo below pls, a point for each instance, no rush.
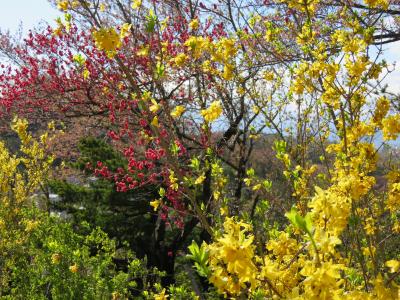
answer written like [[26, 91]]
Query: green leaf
[[298, 221], [160, 70], [79, 59], [161, 192], [194, 250], [151, 21], [200, 257], [174, 148], [195, 163], [250, 172], [267, 184]]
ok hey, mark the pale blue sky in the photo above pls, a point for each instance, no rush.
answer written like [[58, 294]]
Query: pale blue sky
[[29, 12]]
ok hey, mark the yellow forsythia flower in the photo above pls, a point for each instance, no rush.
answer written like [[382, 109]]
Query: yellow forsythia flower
[[155, 204], [125, 30], [62, 5], [65, 4], [394, 265], [180, 59], [223, 210], [144, 51], [107, 39], [381, 109], [321, 281], [173, 180], [197, 45], [20, 126], [74, 268], [377, 3], [391, 127], [226, 48], [213, 112], [200, 179], [228, 72], [85, 73], [55, 258], [194, 24], [154, 122], [161, 296], [268, 75], [231, 258], [155, 107], [115, 296], [178, 111], [31, 225], [136, 4], [393, 200]]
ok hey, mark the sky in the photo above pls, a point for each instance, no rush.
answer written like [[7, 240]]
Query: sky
[[31, 13], [392, 55]]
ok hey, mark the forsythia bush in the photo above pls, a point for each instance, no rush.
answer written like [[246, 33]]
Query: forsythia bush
[[42, 257]]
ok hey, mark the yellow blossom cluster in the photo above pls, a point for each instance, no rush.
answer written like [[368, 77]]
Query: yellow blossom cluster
[[220, 180], [222, 51], [213, 112], [136, 4], [377, 3], [197, 45], [391, 127], [109, 40], [64, 5], [180, 59], [178, 111], [231, 259], [307, 6], [194, 24]]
